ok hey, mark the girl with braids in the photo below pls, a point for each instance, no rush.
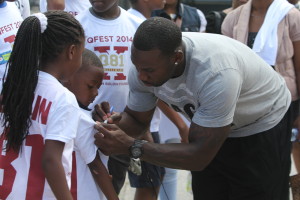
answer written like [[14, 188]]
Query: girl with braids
[[41, 118]]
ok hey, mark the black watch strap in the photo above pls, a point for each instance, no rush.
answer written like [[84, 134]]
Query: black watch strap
[[136, 150]]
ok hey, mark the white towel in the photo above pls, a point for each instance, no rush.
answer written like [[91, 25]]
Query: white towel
[[266, 41]]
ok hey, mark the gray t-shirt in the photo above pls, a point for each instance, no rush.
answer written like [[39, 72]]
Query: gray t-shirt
[[224, 83]]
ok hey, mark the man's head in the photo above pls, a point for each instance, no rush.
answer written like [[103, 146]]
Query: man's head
[[293, 1], [107, 7], [88, 79], [157, 52], [151, 4]]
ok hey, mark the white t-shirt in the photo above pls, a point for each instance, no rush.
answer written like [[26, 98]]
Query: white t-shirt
[[136, 13], [24, 7], [83, 185], [111, 40], [154, 126], [73, 7], [10, 21], [55, 116], [224, 82]]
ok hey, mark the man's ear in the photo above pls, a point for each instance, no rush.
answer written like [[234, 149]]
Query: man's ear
[[179, 56]]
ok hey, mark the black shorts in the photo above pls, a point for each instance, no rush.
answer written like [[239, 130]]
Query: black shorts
[[151, 174], [117, 167], [255, 167]]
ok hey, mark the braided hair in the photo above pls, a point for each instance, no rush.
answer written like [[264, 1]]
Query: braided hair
[[31, 51]]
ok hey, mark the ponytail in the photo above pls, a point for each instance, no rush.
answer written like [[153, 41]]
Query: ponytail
[[21, 80], [32, 50]]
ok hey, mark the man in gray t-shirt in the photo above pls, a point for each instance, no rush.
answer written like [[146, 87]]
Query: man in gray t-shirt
[[239, 139]]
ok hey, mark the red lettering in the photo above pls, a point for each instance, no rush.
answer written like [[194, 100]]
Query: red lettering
[[36, 176], [103, 49], [106, 77], [10, 39], [9, 172], [74, 177], [119, 49], [120, 76], [40, 111]]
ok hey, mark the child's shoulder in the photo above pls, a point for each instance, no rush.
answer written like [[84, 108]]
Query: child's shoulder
[[130, 17]]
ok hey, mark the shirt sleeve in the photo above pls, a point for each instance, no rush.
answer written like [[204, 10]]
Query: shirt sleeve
[[84, 141], [141, 98], [218, 99], [63, 123]]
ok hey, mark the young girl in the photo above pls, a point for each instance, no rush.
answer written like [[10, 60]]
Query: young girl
[[40, 116]]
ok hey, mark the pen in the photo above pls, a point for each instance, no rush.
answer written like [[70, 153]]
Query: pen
[[110, 111]]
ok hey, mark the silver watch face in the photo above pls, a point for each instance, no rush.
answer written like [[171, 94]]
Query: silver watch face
[[136, 152]]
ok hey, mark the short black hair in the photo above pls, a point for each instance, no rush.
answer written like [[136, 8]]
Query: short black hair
[[157, 33], [133, 1], [89, 58]]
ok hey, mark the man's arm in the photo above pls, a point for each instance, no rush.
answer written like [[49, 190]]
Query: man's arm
[[55, 4], [203, 146]]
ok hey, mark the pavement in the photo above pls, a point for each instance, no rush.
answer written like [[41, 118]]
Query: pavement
[[127, 193]]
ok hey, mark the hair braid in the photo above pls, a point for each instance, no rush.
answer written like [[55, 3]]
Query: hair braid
[[31, 50]]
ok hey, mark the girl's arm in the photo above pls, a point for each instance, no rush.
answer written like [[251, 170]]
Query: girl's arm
[[53, 169], [176, 119], [102, 178]]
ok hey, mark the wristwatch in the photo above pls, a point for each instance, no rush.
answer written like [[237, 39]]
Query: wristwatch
[[136, 150]]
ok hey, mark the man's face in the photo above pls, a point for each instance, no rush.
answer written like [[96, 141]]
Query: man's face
[[154, 68], [293, 1], [101, 6], [156, 4], [237, 3]]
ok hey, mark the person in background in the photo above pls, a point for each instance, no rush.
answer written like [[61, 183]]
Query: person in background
[[24, 7], [10, 21], [272, 29], [296, 3], [187, 18], [109, 31], [73, 7], [215, 18]]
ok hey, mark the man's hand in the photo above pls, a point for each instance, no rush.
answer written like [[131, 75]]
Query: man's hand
[[103, 112], [111, 140]]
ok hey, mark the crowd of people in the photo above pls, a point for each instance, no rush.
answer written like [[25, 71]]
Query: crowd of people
[[89, 89]]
